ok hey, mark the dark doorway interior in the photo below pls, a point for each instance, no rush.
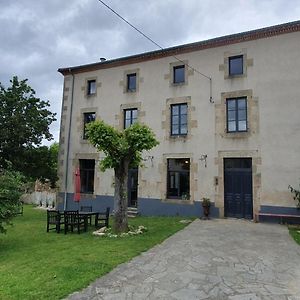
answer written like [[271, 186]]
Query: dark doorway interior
[[238, 198], [132, 187]]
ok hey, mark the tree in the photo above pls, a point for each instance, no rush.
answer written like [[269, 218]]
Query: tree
[[41, 163], [24, 122], [123, 150], [10, 192]]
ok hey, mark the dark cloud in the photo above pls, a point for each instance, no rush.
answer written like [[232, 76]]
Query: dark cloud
[[38, 37]]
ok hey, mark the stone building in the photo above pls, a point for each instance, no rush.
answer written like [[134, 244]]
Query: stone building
[[225, 111]]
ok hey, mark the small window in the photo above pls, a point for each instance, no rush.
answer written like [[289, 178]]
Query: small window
[[87, 174], [235, 65], [87, 118], [130, 117], [178, 74], [131, 82], [236, 114], [91, 87], [179, 119], [178, 181]]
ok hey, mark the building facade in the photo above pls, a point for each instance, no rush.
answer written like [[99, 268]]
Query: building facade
[[226, 114]]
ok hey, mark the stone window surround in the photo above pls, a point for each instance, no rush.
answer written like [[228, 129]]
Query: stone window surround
[[166, 125], [80, 122], [120, 116], [247, 62], [125, 84], [75, 165], [85, 87], [164, 173], [256, 177], [186, 74], [252, 114]]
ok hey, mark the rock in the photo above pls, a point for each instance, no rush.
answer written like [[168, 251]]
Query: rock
[[185, 221]]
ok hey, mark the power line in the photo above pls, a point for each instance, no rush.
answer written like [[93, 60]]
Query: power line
[[159, 46]]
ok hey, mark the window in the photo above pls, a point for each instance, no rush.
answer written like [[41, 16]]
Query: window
[[235, 65], [178, 74], [131, 82], [130, 117], [178, 181], [236, 114], [87, 173], [91, 87], [87, 118], [179, 119]]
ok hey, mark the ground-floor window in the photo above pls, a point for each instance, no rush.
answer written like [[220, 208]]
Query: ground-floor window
[[178, 178], [87, 174]]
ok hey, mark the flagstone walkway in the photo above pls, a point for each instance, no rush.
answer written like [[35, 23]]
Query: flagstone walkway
[[215, 259]]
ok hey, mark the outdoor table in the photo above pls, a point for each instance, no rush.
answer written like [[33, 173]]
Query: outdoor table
[[86, 214]]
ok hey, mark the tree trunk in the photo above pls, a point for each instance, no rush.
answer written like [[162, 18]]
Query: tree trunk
[[121, 198]]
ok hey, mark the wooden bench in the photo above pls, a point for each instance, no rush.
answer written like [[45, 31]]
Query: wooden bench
[[281, 216]]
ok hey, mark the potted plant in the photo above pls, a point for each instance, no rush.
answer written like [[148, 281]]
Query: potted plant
[[206, 207]]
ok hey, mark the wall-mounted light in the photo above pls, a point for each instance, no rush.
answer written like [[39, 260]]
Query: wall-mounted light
[[203, 157]]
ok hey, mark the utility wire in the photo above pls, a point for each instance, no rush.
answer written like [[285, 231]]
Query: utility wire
[[159, 46]]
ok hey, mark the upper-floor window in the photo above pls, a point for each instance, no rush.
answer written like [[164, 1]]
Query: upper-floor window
[[130, 117], [178, 74], [87, 174], [87, 118], [178, 178], [91, 87], [235, 65], [131, 82], [236, 114], [179, 119]]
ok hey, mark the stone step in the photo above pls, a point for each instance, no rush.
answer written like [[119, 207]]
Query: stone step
[[132, 212]]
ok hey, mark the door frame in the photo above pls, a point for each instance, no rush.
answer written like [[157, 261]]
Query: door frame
[[256, 177]]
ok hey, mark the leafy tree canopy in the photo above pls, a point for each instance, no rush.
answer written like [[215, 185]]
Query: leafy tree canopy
[[24, 121], [10, 192]]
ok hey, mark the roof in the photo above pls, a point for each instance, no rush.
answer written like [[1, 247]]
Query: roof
[[181, 49]]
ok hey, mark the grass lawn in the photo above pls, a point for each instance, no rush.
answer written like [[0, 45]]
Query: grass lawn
[[40, 265], [295, 233]]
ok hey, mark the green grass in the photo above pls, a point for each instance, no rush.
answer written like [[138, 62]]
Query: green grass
[[39, 265], [295, 233]]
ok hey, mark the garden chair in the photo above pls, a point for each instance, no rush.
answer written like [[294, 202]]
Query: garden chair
[[103, 217], [87, 209], [54, 217], [73, 219]]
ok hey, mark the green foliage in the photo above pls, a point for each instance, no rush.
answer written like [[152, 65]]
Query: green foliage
[[24, 122], [120, 145], [51, 266], [296, 194], [41, 163], [10, 193]]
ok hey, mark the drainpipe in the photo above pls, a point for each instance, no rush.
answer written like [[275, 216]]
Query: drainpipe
[[68, 143]]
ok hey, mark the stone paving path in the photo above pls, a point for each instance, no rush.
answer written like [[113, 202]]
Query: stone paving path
[[216, 259]]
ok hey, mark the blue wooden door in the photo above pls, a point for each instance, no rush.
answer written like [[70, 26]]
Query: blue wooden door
[[238, 188]]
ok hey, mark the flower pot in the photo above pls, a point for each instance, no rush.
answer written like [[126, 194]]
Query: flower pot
[[206, 211]]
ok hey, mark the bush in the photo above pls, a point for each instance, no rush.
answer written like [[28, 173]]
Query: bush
[[11, 183], [296, 194]]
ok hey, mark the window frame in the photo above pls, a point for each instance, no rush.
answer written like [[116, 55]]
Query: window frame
[[89, 176], [128, 76], [230, 58], [179, 119], [84, 136], [180, 172], [89, 89], [174, 74], [236, 109], [131, 116]]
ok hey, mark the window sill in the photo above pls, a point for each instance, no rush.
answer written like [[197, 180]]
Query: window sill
[[178, 201], [237, 134], [235, 76], [178, 83]]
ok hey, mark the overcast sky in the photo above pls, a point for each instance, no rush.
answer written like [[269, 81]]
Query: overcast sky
[[39, 36]]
